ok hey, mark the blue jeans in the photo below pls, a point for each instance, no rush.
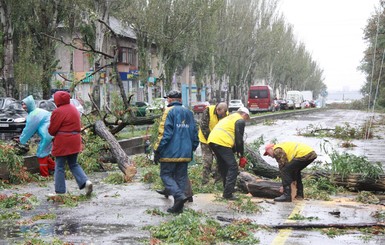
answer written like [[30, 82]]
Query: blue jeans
[[76, 170], [174, 177]]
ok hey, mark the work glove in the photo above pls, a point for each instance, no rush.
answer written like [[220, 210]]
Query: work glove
[[156, 157], [242, 162]]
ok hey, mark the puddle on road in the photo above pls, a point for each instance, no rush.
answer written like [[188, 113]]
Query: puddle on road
[[62, 229]]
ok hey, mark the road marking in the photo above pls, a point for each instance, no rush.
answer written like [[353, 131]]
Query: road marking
[[284, 234]]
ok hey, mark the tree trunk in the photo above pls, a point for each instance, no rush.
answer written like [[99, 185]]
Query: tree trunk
[[302, 226], [102, 10], [258, 187], [8, 65], [121, 157], [260, 166], [353, 181]]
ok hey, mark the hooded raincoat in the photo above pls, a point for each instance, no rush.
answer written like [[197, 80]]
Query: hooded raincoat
[[65, 126], [37, 122]]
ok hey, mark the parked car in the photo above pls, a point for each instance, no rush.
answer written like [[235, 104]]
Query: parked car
[[12, 119], [157, 106], [290, 104], [282, 105], [140, 108], [48, 105], [78, 105], [199, 107], [235, 105], [305, 104], [312, 103], [5, 101]]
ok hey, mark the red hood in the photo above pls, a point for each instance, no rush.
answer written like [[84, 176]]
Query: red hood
[[61, 98]]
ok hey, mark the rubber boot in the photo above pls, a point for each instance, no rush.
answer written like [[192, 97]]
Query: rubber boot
[[300, 194], [178, 206], [164, 192], [188, 191], [51, 166], [286, 196], [43, 166]]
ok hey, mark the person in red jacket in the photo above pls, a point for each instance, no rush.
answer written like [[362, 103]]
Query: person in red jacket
[[65, 126]]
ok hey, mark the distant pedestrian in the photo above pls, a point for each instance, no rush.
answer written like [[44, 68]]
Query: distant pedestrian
[[37, 123], [177, 140], [292, 158], [65, 127], [210, 117], [226, 137]]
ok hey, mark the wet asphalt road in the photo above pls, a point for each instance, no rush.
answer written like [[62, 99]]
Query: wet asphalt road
[[287, 128], [116, 214]]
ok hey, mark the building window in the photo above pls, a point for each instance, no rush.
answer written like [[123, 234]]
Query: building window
[[127, 56]]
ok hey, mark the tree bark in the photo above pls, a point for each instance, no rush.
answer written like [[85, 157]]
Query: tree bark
[[258, 187], [260, 166], [353, 181], [121, 157], [8, 59], [302, 226]]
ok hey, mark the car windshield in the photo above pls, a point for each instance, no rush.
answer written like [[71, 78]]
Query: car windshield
[[75, 102]]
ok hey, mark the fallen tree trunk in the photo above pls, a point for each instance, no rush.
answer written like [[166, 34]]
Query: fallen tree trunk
[[298, 226], [258, 187], [121, 157], [355, 181], [302, 226], [358, 182], [260, 166]]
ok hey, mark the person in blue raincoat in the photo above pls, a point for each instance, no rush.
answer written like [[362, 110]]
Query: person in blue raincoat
[[37, 123]]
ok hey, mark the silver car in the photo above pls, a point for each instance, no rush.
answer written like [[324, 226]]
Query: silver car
[[78, 106], [235, 105]]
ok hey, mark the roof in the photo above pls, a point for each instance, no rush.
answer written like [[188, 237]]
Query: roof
[[122, 29]]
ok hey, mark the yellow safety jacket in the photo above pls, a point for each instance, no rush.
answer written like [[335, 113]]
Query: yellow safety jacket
[[213, 121], [294, 149], [224, 132]]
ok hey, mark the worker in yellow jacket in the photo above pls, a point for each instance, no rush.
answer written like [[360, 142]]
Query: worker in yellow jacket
[[210, 117], [225, 139], [292, 158]]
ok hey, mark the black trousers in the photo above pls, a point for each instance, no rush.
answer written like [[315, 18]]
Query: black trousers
[[227, 167], [292, 172]]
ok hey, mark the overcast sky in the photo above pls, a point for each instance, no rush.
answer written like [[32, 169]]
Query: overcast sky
[[332, 31]]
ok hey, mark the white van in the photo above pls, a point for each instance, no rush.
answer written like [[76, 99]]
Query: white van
[[296, 97]]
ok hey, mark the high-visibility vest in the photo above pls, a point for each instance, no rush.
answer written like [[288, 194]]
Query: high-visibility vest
[[224, 132], [213, 121], [294, 149]]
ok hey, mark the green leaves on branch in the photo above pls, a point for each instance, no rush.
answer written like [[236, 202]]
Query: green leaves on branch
[[345, 164]]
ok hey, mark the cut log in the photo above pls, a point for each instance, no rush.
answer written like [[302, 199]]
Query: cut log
[[259, 187], [121, 157]]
